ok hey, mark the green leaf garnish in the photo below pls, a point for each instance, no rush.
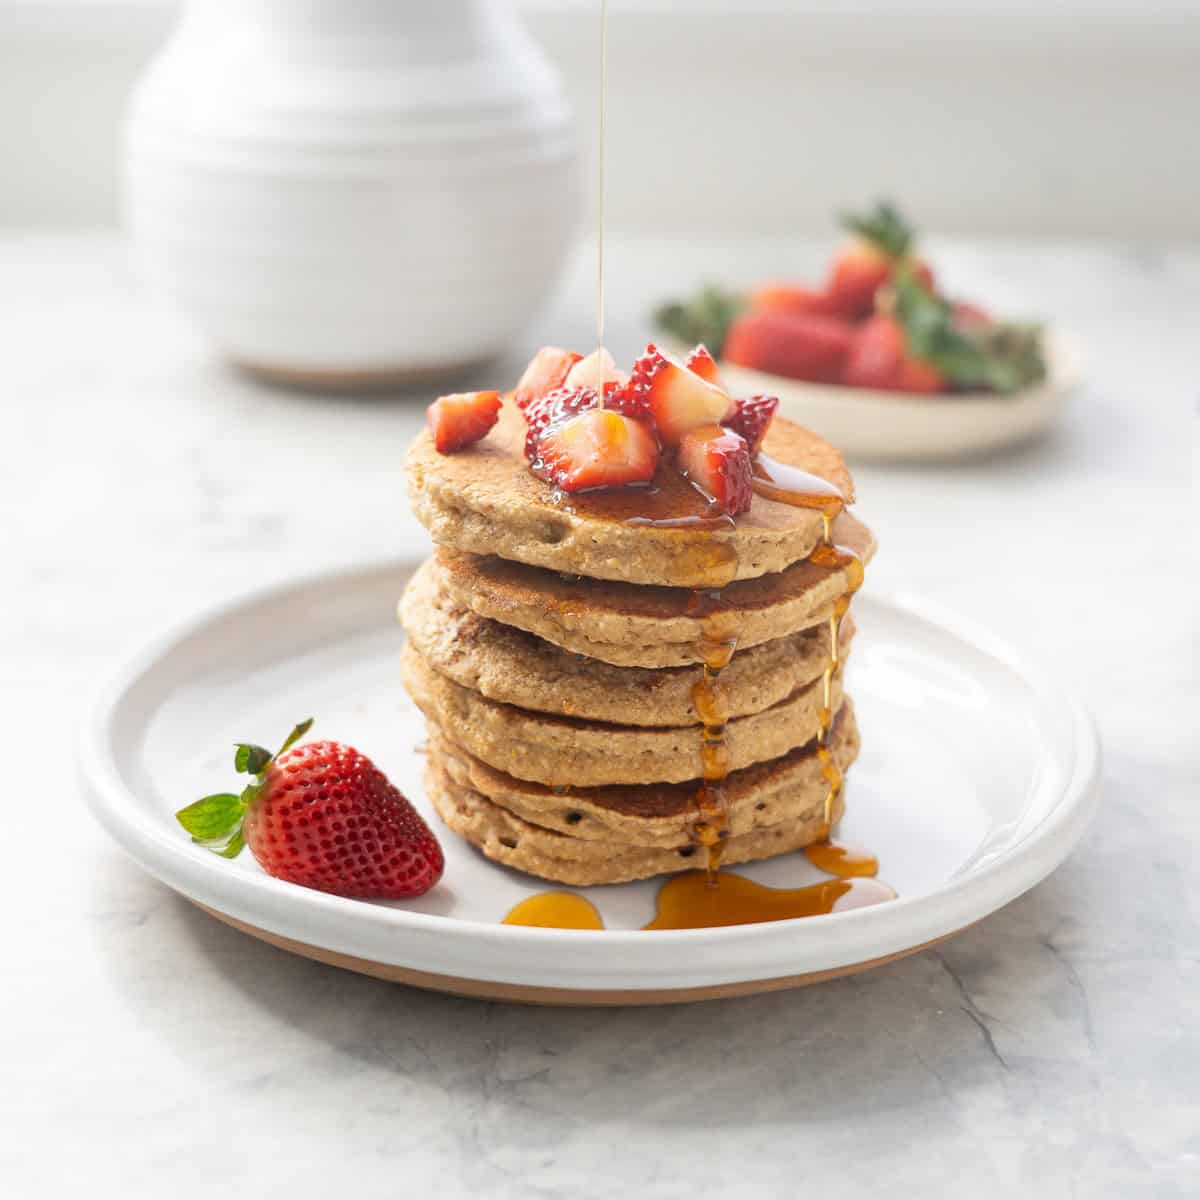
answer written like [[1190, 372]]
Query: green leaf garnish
[[999, 357], [234, 847], [884, 226], [212, 817], [215, 822], [705, 318], [250, 759], [293, 737]]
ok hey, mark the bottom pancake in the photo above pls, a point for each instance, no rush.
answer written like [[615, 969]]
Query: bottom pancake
[[515, 843], [655, 816]]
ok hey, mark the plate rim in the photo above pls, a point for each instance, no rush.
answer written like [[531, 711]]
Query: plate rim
[[177, 864]]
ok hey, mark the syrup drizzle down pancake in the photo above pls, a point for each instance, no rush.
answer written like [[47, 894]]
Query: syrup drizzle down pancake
[[627, 683]]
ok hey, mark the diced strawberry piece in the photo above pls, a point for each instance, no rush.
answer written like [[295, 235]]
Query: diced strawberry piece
[[880, 359], [595, 449], [787, 297], [630, 400], [553, 407], [677, 399], [458, 420], [547, 370], [701, 363], [752, 419], [798, 345], [594, 371], [717, 461]]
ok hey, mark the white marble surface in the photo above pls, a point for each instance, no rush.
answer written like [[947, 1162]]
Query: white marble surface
[[148, 1051]]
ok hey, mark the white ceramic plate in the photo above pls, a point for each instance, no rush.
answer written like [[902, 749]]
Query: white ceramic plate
[[976, 778], [894, 427]]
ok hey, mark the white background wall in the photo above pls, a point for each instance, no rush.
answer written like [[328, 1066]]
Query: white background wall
[[1075, 117]]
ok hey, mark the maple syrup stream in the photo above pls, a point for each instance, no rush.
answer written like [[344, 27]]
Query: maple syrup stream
[[712, 897]]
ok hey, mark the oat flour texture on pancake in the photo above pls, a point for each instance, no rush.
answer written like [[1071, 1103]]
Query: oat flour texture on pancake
[[487, 502], [632, 644]]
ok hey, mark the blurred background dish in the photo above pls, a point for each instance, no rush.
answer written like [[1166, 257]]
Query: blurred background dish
[[351, 194], [877, 354], [868, 423]]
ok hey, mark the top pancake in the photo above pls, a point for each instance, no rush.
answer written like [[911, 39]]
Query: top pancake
[[485, 500]]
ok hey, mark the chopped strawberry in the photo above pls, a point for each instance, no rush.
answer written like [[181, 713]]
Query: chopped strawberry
[[321, 815], [553, 407], [594, 371], [458, 420], [674, 397], [798, 345], [880, 359], [752, 419], [594, 449], [717, 461], [701, 363], [547, 371], [787, 297]]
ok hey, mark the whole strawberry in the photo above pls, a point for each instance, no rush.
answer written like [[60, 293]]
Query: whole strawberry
[[321, 815]]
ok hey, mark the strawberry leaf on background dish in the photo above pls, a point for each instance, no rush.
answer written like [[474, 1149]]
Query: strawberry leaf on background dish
[[997, 357], [884, 227], [705, 318]]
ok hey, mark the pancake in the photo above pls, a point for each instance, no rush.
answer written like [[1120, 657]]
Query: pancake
[[641, 626], [507, 839], [485, 500], [655, 815], [567, 751], [514, 667]]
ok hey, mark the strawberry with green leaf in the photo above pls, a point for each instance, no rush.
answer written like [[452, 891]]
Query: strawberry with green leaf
[[981, 355], [883, 242], [321, 815]]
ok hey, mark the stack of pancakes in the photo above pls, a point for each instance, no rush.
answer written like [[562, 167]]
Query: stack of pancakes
[[555, 645]]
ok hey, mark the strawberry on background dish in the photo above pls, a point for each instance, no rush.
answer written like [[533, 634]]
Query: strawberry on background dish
[[877, 320]]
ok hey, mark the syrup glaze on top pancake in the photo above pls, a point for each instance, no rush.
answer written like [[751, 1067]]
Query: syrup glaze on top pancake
[[644, 626], [485, 500]]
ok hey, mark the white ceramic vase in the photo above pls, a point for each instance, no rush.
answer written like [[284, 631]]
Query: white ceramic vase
[[351, 192]]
